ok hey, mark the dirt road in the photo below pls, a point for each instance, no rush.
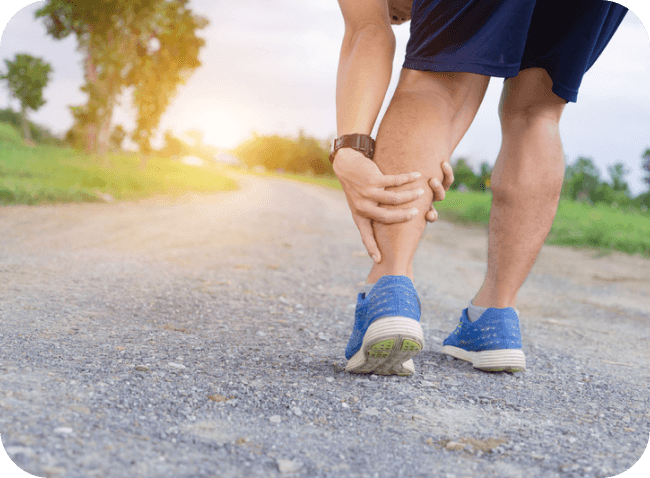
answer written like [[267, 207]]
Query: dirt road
[[204, 336]]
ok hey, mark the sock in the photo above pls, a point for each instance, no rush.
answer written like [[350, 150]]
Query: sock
[[367, 288], [474, 312]]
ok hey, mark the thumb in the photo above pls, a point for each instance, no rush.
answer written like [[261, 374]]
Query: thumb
[[368, 237]]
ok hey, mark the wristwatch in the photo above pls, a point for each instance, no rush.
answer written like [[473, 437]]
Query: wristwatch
[[359, 142]]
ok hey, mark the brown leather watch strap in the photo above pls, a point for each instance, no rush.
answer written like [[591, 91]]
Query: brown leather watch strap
[[359, 142]]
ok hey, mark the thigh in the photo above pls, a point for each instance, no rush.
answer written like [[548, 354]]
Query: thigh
[[456, 96], [530, 94]]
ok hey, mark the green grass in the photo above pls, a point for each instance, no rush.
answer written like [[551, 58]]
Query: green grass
[[576, 224], [9, 135], [52, 174], [600, 226]]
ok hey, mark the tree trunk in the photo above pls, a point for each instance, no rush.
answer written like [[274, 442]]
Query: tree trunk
[[27, 137]]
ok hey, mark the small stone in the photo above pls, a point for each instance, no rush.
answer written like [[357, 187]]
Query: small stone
[[330, 379], [259, 333], [371, 412], [426, 383], [323, 336], [63, 430], [345, 405], [275, 419], [178, 366], [454, 445], [289, 466], [536, 456], [16, 450], [572, 439], [142, 368], [296, 411]]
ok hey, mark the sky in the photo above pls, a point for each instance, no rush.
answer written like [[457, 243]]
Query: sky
[[270, 67]]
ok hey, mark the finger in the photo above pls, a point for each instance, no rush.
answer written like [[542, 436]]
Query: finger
[[368, 237], [397, 179], [448, 180], [388, 216], [438, 189], [394, 198], [432, 215]]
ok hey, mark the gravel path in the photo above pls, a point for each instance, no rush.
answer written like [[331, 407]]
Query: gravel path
[[204, 337]]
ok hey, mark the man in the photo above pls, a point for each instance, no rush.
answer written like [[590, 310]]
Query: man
[[542, 49]]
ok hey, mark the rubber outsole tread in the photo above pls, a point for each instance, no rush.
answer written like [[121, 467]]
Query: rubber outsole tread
[[388, 347]]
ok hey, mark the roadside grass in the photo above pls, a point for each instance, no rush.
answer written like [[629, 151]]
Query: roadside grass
[[576, 224], [46, 174], [9, 135]]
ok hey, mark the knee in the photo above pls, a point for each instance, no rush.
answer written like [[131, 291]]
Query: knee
[[528, 100]]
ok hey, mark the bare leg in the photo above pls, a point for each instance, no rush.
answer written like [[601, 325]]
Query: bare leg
[[427, 117], [526, 184]]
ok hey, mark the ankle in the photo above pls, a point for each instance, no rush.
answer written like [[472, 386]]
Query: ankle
[[485, 299], [380, 270]]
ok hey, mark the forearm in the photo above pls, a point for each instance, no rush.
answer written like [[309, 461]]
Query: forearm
[[365, 68]]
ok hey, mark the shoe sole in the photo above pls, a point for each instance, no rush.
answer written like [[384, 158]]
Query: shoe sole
[[388, 347], [504, 360]]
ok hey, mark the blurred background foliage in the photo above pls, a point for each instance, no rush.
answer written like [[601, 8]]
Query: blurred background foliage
[[301, 155]]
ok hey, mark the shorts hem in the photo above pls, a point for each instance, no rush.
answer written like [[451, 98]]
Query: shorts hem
[[500, 71]]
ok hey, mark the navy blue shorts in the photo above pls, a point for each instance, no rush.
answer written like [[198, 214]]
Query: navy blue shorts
[[502, 37]]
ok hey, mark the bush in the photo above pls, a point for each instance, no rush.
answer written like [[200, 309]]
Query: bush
[[40, 134], [301, 155]]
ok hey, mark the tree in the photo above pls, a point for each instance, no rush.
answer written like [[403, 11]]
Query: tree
[[581, 180], [617, 173], [117, 137], [646, 166], [304, 154], [173, 146], [150, 45], [27, 76], [485, 175], [463, 174]]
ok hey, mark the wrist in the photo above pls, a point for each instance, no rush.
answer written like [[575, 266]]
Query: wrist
[[363, 143]]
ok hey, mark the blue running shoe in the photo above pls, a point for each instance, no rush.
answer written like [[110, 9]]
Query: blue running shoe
[[387, 331], [492, 343]]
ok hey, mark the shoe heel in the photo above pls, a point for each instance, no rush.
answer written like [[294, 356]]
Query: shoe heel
[[389, 343]]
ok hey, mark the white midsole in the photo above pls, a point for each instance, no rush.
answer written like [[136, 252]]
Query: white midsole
[[397, 328], [504, 358]]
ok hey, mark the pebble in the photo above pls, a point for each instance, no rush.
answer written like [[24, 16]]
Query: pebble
[[454, 445], [371, 411], [178, 366], [296, 411], [63, 430], [426, 383], [289, 466], [275, 419], [142, 368], [330, 379]]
